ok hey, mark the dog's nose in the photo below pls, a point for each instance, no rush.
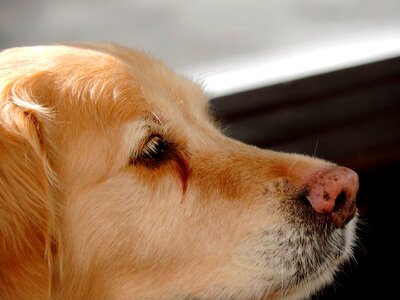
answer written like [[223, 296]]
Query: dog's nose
[[333, 192]]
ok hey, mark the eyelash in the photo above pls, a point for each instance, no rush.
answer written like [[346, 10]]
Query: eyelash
[[156, 148], [154, 152]]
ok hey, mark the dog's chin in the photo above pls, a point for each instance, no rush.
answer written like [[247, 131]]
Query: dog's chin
[[324, 247], [311, 251], [304, 285]]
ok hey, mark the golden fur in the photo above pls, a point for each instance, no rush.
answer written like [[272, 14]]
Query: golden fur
[[88, 210]]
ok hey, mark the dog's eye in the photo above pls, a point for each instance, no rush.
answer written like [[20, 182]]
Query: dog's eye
[[154, 151], [156, 148]]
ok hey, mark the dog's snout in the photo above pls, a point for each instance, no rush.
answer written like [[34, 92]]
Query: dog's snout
[[333, 192]]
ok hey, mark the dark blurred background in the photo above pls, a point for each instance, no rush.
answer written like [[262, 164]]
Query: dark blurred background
[[308, 76]]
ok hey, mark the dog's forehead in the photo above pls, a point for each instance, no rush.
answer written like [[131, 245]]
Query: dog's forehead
[[136, 77], [166, 93]]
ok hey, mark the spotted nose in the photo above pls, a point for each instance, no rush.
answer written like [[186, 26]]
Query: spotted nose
[[333, 192]]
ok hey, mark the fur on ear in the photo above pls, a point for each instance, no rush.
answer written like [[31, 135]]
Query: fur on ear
[[28, 233]]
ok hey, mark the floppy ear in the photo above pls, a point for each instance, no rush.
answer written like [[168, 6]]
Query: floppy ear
[[27, 212]]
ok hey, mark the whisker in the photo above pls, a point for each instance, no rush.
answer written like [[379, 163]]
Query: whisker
[[159, 121], [293, 163], [316, 147]]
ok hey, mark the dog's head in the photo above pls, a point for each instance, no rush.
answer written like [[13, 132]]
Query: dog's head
[[117, 184]]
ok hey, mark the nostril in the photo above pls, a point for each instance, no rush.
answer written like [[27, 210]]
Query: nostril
[[340, 202]]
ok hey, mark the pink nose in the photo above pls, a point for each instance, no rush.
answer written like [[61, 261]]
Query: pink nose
[[333, 192]]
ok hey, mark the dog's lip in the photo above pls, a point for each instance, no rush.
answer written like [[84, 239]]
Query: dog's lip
[[327, 220], [302, 211]]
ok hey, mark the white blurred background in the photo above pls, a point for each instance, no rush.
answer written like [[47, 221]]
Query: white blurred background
[[208, 38]]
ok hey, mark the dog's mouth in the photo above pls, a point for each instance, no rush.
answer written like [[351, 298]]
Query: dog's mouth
[[298, 210], [311, 247], [299, 213], [317, 229], [309, 260]]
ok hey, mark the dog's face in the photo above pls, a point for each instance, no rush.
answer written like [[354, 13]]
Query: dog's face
[[117, 184]]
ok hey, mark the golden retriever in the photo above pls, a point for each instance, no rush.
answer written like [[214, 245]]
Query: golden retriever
[[116, 183]]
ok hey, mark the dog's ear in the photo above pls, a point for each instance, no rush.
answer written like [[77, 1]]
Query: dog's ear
[[28, 235]]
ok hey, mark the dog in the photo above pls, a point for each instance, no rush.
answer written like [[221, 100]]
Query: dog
[[117, 183]]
